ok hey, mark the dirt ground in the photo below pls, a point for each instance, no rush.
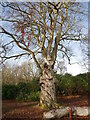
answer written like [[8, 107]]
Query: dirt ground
[[13, 110]]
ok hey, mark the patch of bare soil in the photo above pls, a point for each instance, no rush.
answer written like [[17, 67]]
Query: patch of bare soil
[[73, 100], [13, 110]]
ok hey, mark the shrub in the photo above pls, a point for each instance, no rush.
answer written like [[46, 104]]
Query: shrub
[[58, 84], [81, 84], [34, 96], [24, 87], [24, 90], [22, 96], [68, 84], [35, 86], [9, 91], [28, 91]]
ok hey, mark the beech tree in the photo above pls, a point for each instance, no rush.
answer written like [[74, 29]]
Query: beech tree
[[41, 29]]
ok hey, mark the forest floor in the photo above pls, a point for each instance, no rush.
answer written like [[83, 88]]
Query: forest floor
[[14, 110]]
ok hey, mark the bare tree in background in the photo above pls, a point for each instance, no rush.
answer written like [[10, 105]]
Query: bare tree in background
[[61, 67], [8, 75], [41, 28], [19, 73], [29, 71]]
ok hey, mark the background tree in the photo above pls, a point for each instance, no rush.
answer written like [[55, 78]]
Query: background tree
[[8, 75], [41, 28], [28, 71], [61, 67], [19, 73]]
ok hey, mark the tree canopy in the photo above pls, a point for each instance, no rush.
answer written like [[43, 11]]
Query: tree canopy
[[40, 28]]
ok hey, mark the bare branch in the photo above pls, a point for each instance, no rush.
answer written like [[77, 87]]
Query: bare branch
[[65, 54], [4, 58], [42, 27], [24, 48]]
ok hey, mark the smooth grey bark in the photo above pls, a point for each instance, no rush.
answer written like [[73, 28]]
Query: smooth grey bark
[[56, 113], [63, 111]]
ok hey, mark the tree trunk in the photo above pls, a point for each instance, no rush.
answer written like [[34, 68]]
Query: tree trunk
[[47, 83]]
